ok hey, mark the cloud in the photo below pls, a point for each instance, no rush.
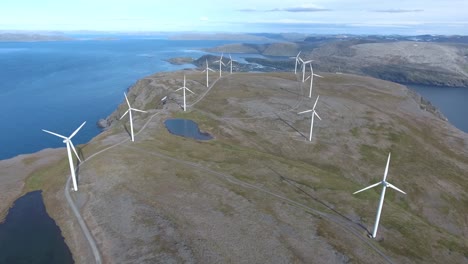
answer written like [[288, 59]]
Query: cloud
[[288, 9], [398, 10], [203, 18], [299, 9]]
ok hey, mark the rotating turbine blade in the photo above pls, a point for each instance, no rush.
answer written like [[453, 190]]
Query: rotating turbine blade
[[211, 70], [126, 112], [395, 188], [138, 110], [307, 111], [189, 90], [127, 100], [315, 113], [299, 54], [309, 61], [179, 88], [308, 77], [318, 75], [386, 168], [316, 100], [76, 131], [55, 134], [368, 187], [301, 60], [74, 150]]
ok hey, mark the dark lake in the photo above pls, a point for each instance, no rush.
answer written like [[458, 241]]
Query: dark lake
[[186, 128], [30, 235], [452, 102]]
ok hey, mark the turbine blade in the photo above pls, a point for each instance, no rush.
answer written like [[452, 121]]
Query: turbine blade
[[315, 113], [297, 56], [179, 88], [55, 134], [318, 75], [394, 187], [76, 131], [211, 70], [315, 104], [189, 90], [126, 99], [74, 150], [309, 61], [368, 187], [307, 111], [204, 70], [138, 110], [308, 77], [386, 168], [126, 112]]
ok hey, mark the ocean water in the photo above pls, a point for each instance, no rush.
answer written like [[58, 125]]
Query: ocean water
[[451, 101], [58, 85], [29, 235]]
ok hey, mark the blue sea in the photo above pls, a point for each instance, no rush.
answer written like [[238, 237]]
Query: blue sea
[[58, 85]]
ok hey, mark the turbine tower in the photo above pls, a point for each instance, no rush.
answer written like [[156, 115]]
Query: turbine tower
[[184, 88], [385, 184], [313, 115], [297, 61], [312, 74], [207, 70], [129, 111], [304, 63], [220, 63], [69, 143], [230, 62]]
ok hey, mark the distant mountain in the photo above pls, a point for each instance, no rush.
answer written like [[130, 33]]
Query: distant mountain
[[31, 37]]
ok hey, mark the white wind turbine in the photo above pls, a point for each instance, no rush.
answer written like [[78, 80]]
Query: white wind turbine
[[129, 111], [184, 88], [230, 62], [69, 143], [385, 184], [220, 63], [304, 63], [297, 61], [207, 70], [312, 74], [313, 115]]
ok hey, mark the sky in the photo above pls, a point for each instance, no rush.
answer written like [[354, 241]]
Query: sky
[[408, 17]]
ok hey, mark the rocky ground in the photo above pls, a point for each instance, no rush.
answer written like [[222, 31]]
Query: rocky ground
[[430, 63], [260, 192]]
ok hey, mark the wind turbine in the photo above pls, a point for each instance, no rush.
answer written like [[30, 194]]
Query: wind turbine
[[303, 67], [184, 88], [220, 62], [297, 61], [206, 70], [313, 115], [230, 62], [312, 74], [129, 111], [385, 184], [69, 143]]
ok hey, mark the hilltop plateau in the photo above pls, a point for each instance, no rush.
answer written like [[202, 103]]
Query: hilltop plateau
[[428, 62], [260, 192]]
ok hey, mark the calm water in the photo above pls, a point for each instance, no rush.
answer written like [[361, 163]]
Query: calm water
[[29, 235], [452, 102], [58, 85], [186, 128]]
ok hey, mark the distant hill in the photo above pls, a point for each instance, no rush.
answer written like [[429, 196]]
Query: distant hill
[[31, 37]]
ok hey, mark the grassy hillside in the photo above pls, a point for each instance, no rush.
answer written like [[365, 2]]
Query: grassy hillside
[[259, 192]]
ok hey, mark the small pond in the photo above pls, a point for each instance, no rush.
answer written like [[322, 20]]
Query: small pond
[[186, 128], [30, 235]]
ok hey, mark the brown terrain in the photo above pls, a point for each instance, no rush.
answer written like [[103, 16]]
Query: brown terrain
[[259, 192]]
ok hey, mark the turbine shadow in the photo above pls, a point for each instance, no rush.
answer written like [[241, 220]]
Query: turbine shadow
[[127, 130], [294, 184], [291, 126]]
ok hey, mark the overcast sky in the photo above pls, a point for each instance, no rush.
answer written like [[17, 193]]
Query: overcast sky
[[321, 16]]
